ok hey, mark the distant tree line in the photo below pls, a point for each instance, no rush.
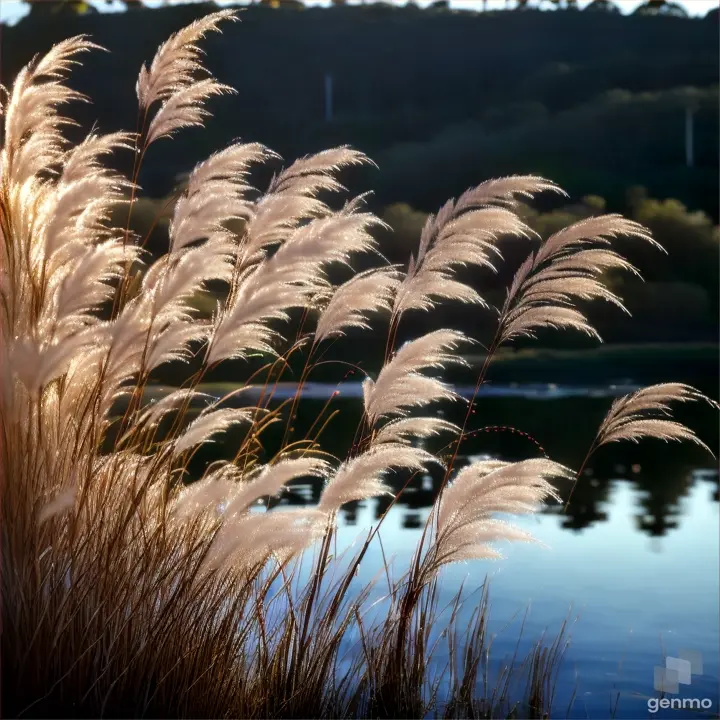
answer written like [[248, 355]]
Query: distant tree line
[[441, 100], [648, 8]]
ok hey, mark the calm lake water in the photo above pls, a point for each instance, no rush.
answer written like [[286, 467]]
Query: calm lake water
[[632, 564]]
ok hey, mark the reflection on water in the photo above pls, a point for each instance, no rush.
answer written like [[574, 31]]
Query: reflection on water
[[634, 556], [631, 596], [514, 423], [657, 507]]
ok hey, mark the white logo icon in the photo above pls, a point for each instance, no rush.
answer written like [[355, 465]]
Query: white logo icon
[[677, 671]]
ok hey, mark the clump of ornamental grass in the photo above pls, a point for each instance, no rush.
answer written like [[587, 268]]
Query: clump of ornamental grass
[[129, 592]]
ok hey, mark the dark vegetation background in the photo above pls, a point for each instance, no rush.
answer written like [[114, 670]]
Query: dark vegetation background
[[442, 100]]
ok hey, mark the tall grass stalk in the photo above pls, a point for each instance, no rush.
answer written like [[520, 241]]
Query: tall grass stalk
[[127, 591]]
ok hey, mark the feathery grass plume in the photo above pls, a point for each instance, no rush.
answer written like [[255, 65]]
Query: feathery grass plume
[[168, 403], [564, 270], [231, 492], [174, 279], [643, 414], [291, 201], [87, 154], [465, 515], [272, 479], [463, 233], [253, 539], [202, 495], [216, 192], [177, 61], [505, 192], [62, 502], [350, 303], [184, 109], [284, 217], [404, 429], [274, 217], [33, 137], [314, 173], [400, 386], [290, 278], [123, 588], [208, 425], [361, 477]]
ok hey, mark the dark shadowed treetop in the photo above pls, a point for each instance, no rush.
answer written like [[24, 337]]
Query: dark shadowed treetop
[[602, 6], [662, 7]]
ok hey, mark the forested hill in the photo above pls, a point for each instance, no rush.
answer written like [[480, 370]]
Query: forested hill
[[441, 99]]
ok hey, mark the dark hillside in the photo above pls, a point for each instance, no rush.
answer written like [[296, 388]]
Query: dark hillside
[[519, 86]]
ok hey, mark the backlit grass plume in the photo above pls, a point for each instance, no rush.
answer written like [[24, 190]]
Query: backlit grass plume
[[128, 590]]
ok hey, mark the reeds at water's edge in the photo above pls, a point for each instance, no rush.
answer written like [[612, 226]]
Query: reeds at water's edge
[[126, 592]]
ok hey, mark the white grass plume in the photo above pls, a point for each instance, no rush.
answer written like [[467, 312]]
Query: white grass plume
[[362, 477], [216, 193], [399, 385], [37, 363], [644, 414], [184, 109], [177, 60], [62, 502], [33, 138], [464, 233], [351, 302], [264, 295], [465, 515], [274, 217], [451, 240], [230, 491], [505, 192], [563, 271], [601, 229], [87, 155], [210, 424], [291, 200], [201, 496], [313, 173], [172, 343], [291, 278], [174, 279], [270, 480], [253, 539], [404, 429]]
